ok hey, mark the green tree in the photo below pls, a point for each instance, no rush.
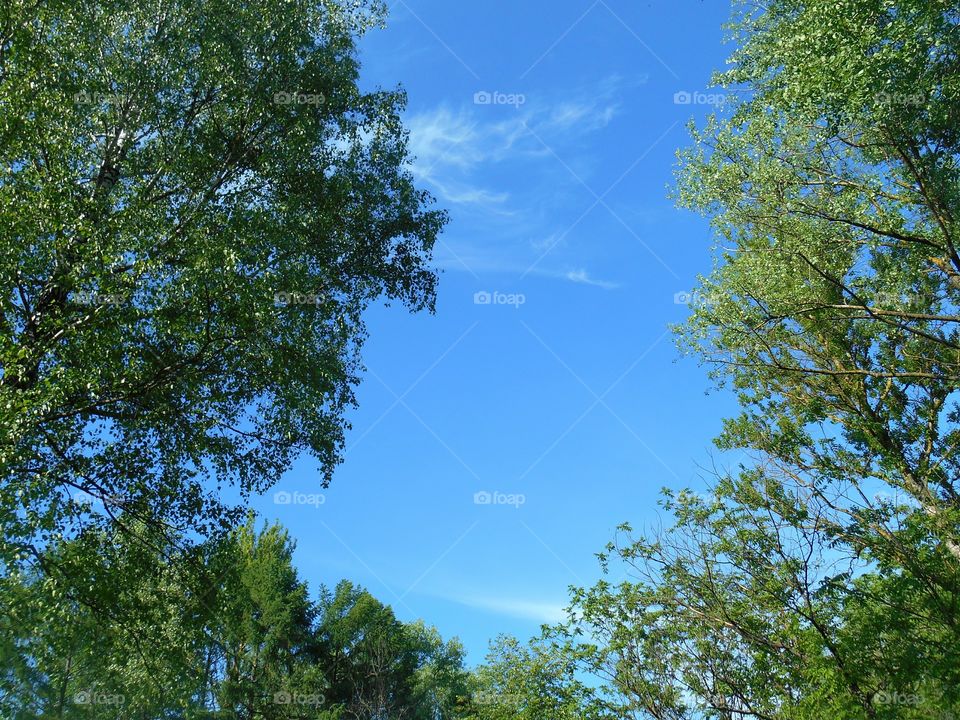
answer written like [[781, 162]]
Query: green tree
[[197, 204], [378, 667], [541, 679], [122, 632], [112, 631], [751, 606], [823, 580], [834, 190], [440, 684], [262, 660]]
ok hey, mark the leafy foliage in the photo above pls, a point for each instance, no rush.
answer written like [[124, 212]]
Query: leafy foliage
[[540, 680], [823, 580], [198, 202], [246, 642]]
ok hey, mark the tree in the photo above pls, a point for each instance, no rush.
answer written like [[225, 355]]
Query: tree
[[112, 631], [198, 202], [542, 679], [751, 606], [379, 668], [440, 684], [834, 189], [119, 633], [822, 579], [262, 660]]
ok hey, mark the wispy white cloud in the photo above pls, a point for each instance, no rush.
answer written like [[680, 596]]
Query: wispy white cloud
[[548, 241], [582, 116], [464, 257], [545, 612], [509, 173], [462, 194], [451, 147], [444, 137], [583, 277], [448, 148]]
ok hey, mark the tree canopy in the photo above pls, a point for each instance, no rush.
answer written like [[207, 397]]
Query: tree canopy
[[198, 203], [819, 577], [248, 641]]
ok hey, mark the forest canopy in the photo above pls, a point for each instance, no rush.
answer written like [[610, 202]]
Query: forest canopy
[[199, 203]]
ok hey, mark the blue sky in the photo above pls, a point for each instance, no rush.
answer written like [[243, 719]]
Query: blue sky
[[547, 379]]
